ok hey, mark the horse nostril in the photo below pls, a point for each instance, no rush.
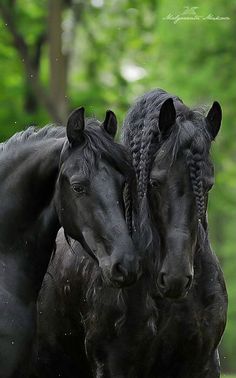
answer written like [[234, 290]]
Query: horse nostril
[[121, 269], [162, 279], [119, 272], [189, 282], [174, 286]]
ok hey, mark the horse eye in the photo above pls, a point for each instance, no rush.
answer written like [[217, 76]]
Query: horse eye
[[154, 184], [80, 189]]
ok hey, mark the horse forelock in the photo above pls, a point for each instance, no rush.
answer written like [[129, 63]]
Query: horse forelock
[[98, 145]]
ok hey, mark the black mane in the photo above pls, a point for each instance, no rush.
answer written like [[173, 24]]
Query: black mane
[[142, 135], [98, 144], [33, 134]]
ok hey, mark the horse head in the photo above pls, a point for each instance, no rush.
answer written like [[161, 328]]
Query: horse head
[[89, 195], [180, 179]]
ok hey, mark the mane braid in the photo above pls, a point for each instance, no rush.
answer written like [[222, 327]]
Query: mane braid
[[149, 141], [128, 207], [195, 164], [135, 139], [141, 133]]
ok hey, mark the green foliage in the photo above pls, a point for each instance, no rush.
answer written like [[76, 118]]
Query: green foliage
[[122, 49]]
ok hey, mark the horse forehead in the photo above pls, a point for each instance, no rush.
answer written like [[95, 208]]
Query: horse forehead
[[193, 134], [102, 170], [169, 164], [105, 171], [178, 173]]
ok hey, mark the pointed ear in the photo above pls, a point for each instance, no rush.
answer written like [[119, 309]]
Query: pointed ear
[[167, 116], [110, 123], [75, 126], [213, 119]]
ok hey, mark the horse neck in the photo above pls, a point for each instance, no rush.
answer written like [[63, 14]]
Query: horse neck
[[204, 257], [205, 260], [28, 221]]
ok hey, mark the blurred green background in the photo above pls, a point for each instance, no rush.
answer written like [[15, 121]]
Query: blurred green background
[[59, 54]]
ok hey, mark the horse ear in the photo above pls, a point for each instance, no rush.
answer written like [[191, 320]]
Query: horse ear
[[110, 123], [75, 126], [167, 116], [214, 118]]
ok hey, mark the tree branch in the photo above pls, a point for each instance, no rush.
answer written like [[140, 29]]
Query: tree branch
[[31, 101]]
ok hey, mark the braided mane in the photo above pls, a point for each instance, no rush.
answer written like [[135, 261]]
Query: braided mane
[[141, 134]]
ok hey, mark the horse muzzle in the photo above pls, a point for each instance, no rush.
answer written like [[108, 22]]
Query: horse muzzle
[[174, 287]]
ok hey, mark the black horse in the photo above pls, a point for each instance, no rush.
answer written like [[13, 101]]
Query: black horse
[[167, 324], [49, 180], [170, 146]]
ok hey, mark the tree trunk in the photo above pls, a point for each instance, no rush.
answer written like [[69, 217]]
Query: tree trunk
[[31, 73], [57, 60]]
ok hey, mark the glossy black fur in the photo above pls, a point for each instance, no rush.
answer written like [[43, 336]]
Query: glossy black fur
[[44, 176]]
